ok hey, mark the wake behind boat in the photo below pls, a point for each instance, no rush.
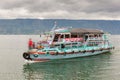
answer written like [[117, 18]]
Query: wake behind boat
[[63, 43]]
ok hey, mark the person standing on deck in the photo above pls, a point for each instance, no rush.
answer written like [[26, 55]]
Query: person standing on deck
[[30, 44]]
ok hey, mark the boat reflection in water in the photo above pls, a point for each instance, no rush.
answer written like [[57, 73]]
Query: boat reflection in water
[[91, 68]]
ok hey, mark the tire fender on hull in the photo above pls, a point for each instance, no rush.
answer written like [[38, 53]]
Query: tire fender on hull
[[26, 55]]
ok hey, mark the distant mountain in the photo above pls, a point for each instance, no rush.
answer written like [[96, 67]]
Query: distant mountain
[[36, 26]]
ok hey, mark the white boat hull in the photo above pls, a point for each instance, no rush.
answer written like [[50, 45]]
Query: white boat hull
[[39, 57]]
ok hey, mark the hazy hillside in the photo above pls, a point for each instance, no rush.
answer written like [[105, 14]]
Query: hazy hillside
[[36, 26]]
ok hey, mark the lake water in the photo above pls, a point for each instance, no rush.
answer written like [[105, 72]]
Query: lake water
[[13, 66]]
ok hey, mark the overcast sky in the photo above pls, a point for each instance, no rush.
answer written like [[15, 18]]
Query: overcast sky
[[60, 9]]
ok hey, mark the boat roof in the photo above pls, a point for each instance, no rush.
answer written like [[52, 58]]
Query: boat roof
[[85, 31], [79, 31]]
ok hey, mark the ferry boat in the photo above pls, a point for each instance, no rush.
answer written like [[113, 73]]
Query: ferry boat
[[64, 43]]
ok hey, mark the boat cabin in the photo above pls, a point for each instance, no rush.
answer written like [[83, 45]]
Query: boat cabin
[[77, 36]]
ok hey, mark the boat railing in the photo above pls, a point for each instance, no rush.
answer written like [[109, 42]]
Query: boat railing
[[99, 41], [95, 38]]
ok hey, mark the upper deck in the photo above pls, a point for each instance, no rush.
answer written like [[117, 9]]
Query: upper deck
[[76, 34]]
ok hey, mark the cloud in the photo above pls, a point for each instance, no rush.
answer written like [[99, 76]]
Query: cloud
[[60, 9]]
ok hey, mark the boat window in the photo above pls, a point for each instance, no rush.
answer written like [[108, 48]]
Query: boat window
[[62, 46], [68, 45], [67, 36], [62, 36], [44, 50], [80, 36], [74, 43], [86, 37], [93, 43], [58, 46], [100, 35], [56, 37], [74, 36]]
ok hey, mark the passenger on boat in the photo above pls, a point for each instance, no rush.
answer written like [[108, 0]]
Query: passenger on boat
[[39, 45], [30, 44], [33, 45]]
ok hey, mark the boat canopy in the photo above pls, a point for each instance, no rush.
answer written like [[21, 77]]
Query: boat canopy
[[85, 31], [79, 31]]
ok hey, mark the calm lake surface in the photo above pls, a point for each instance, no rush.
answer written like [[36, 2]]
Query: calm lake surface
[[13, 66]]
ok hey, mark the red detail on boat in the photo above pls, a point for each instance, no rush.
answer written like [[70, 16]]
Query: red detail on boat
[[41, 52], [76, 52], [61, 53], [69, 52], [74, 39], [41, 60], [52, 53], [33, 52]]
